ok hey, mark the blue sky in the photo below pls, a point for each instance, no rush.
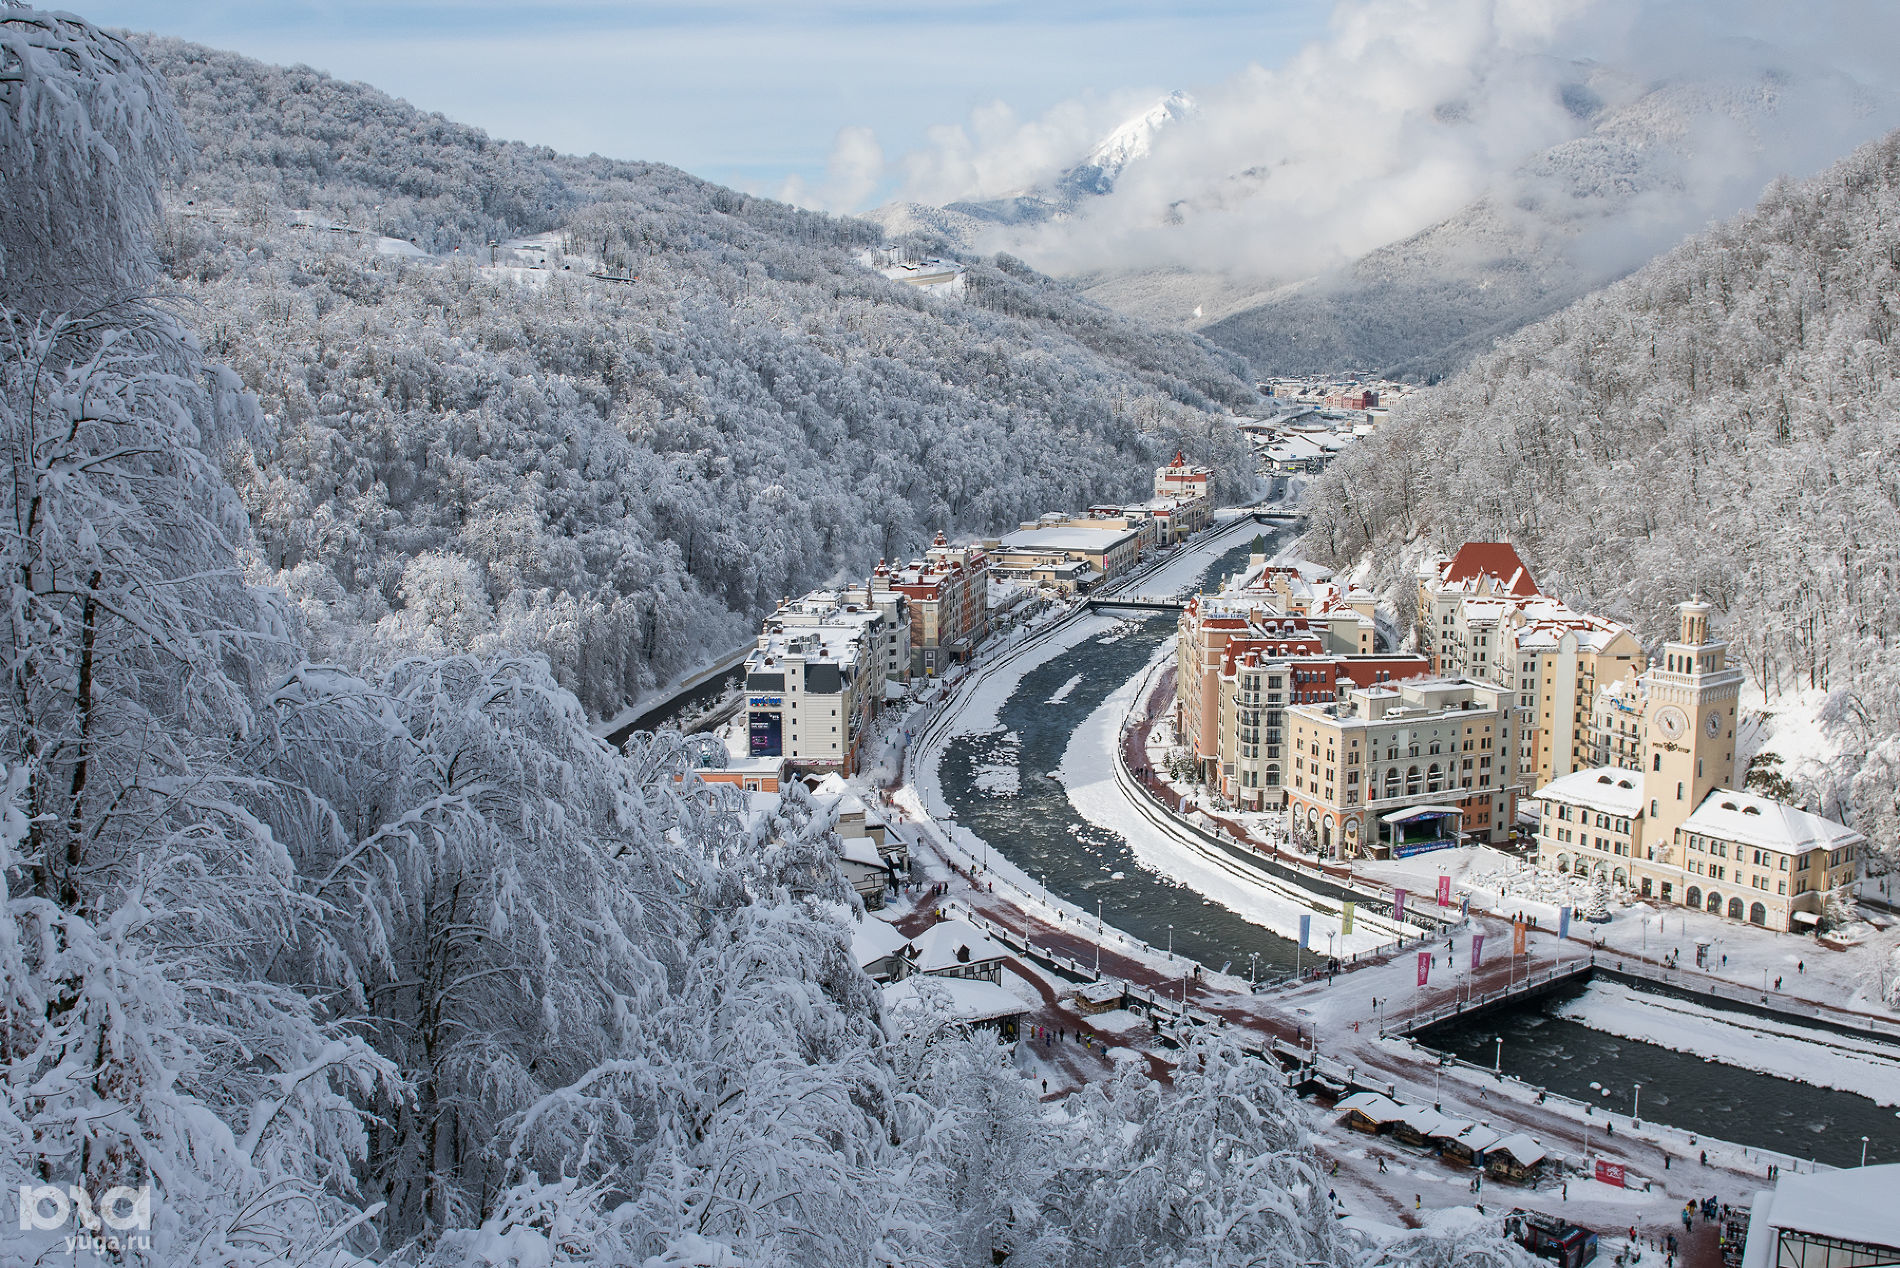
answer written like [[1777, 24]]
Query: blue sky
[[745, 92]]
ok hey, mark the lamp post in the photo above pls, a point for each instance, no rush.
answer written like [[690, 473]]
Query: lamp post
[[1863, 1151], [1636, 1106], [1098, 937], [1170, 942], [1497, 1062], [1253, 968]]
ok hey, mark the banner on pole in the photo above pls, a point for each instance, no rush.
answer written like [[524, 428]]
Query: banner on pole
[[1464, 907], [1398, 906], [1306, 931], [1477, 950], [1444, 891], [1517, 938], [1563, 922], [1424, 967], [1345, 920]]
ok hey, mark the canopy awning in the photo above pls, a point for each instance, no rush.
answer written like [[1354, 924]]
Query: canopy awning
[[1805, 918], [1422, 812]]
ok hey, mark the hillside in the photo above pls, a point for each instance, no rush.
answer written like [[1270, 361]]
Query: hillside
[[1724, 420], [617, 471]]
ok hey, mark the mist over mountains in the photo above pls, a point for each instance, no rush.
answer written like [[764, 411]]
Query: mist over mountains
[[1400, 194]]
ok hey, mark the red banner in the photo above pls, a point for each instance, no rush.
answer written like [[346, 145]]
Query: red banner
[[1424, 967], [1610, 1172], [1444, 891], [1517, 938]]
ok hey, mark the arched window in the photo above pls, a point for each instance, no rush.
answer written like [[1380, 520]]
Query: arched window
[[1620, 877], [1757, 915], [1563, 863], [1273, 776], [1715, 903], [1734, 909], [1436, 748], [1695, 896], [1434, 779], [1411, 782], [1392, 782]]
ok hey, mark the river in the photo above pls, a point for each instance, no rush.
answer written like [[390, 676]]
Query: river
[[1679, 1088], [1001, 789]]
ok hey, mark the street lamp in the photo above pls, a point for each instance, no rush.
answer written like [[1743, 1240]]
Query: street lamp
[[1636, 1107], [1497, 1062], [1253, 968], [1863, 1151], [1170, 942]]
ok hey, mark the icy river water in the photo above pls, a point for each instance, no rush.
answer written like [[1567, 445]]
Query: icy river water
[[1679, 1088], [1036, 827], [1001, 788]]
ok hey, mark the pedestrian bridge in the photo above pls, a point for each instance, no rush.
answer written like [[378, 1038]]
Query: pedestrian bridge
[[1133, 603]]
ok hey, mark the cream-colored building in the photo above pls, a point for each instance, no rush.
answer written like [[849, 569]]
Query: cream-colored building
[[1398, 770], [1664, 820], [1480, 615]]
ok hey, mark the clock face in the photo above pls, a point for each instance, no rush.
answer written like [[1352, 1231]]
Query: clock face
[[1671, 722], [1714, 725]]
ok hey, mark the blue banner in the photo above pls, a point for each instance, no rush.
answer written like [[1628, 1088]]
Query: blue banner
[[1306, 932], [1563, 922]]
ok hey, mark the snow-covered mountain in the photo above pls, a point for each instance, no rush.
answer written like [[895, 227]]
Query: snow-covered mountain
[[669, 406], [1129, 143], [1571, 218], [1614, 169], [984, 224]]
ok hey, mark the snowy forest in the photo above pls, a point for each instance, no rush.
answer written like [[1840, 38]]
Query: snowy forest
[[703, 402], [387, 959], [1726, 420]]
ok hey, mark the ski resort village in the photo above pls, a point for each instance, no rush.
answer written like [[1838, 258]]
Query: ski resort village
[[880, 646], [1495, 890]]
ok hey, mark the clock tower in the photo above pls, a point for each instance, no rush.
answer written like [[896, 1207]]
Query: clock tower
[[1689, 724]]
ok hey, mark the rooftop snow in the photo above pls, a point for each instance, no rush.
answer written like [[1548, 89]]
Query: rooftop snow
[[1771, 825]]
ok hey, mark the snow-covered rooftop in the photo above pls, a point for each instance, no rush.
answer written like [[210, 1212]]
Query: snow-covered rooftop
[[1770, 825], [1854, 1204], [1610, 789], [938, 945], [1068, 537], [964, 999], [872, 939]]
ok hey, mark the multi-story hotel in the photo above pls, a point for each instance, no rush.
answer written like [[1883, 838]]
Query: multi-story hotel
[[1670, 825], [948, 595], [814, 682], [1480, 615], [1397, 770], [1273, 638]]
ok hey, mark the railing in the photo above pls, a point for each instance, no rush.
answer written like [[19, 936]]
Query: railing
[[1420, 1019]]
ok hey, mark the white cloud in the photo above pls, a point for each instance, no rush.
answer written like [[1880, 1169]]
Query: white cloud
[[1407, 110]]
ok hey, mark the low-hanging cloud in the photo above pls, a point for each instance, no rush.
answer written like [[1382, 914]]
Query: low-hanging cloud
[[1408, 110]]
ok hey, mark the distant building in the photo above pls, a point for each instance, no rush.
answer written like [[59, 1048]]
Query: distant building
[[947, 597], [1182, 479], [1036, 551]]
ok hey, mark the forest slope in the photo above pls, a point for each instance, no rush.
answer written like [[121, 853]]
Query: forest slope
[[1725, 420], [617, 474]]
